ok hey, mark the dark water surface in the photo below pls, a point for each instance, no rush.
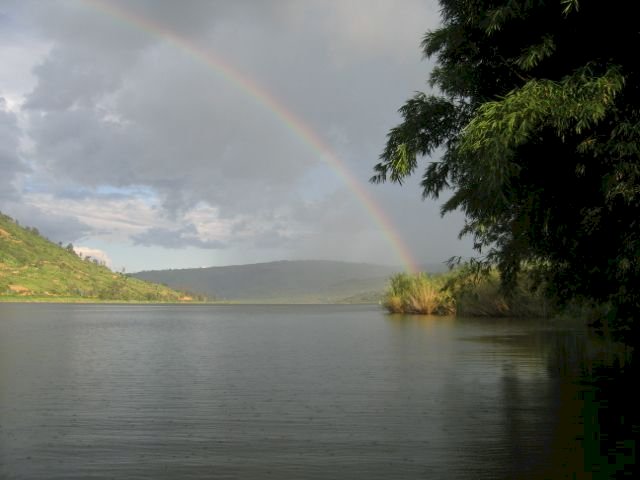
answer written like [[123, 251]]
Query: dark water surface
[[297, 392]]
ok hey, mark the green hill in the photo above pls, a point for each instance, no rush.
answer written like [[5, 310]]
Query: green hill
[[300, 281], [32, 267]]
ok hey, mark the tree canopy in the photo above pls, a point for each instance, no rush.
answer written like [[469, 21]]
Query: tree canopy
[[536, 112]]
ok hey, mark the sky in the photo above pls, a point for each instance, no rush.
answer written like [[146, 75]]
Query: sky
[[160, 134]]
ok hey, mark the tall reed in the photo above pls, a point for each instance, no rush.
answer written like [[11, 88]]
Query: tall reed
[[421, 293], [459, 292]]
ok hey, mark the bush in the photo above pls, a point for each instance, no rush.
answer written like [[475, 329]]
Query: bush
[[421, 293], [481, 295], [463, 292]]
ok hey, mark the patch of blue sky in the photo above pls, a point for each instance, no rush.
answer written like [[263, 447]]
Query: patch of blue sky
[[105, 192], [33, 184], [142, 192], [135, 258]]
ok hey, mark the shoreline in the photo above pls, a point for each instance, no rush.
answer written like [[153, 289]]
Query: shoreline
[[97, 301]]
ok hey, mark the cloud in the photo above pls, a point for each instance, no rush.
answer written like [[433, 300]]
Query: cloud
[[56, 226], [187, 236], [115, 218], [10, 162], [208, 125], [74, 78], [94, 253], [366, 29], [189, 147]]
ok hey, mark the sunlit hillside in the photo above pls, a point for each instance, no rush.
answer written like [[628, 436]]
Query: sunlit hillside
[[33, 267]]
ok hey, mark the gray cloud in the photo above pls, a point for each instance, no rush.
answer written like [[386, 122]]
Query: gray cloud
[[117, 106], [55, 227], [187, 236], [10, 162], [74, 78]]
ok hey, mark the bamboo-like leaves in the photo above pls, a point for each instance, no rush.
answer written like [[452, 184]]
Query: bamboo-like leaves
[[539, 128], [534, 54], [573, 104]]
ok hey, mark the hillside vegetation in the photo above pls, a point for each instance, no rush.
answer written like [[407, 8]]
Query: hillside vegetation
[[32, 267], [301, 281]]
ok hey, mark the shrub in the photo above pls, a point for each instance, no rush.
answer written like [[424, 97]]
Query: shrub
[[463, 292], [421, 293]]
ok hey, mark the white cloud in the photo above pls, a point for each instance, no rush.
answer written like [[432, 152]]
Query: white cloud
[[93, 253]]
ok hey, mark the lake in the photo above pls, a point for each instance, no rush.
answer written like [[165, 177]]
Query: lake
[[305, 392]]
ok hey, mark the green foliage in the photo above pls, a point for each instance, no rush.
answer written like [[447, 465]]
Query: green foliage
[[479, 293], [308, 281], [534, 54], [33, 267], [421, 293], [539, 121], [464, 291]]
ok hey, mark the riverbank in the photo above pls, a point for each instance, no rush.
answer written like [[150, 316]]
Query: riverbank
[[52, 299], [85, 300]]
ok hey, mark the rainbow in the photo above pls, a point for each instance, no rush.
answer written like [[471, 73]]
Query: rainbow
[[296, 125]]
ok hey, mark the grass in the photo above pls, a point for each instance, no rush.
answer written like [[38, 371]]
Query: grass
[[420, 294], [458, 293], [33, 268], [94, 300]]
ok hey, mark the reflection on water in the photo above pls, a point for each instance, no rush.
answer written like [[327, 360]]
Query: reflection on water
[[611, 420], [592, 421], [307, 392]]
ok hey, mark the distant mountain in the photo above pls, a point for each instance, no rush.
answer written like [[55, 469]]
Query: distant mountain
[[301, 281], [33, 267]]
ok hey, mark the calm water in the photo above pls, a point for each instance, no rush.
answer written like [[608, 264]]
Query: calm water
[[297, 392]]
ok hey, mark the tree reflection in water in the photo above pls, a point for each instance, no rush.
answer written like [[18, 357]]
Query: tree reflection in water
[[599, 378]]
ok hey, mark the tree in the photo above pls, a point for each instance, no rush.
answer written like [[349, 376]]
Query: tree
[[538, 116]]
